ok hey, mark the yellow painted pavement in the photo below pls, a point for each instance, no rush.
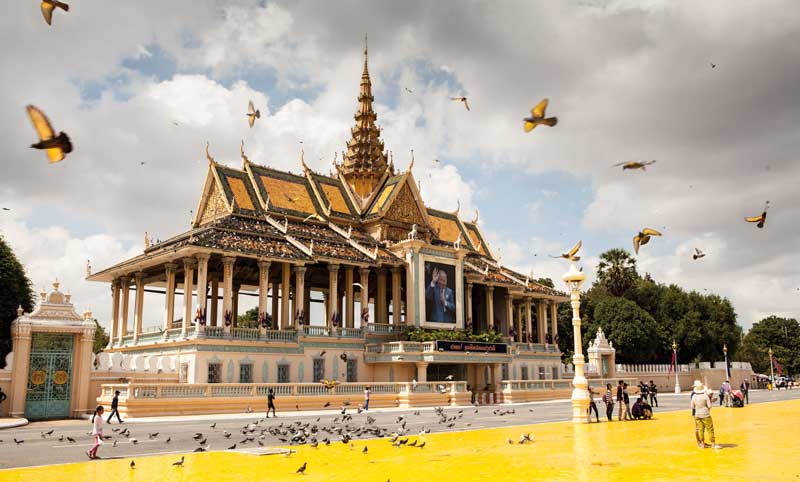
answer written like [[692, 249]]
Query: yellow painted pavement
[[760, 444]]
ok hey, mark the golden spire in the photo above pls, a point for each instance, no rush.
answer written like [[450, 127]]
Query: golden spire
[[365, 160]]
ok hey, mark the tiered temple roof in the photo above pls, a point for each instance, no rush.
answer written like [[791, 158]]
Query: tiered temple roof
[[354, 216]]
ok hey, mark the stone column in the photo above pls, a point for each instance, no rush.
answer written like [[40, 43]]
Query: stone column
[[286, 272], [412, 317], [490, 308], [348, 297], [276, 287], [202, 290], [300, 295], [81, 372], [21, 336], [333, 293], [137, 317], [509, 313], [212, 320], [227, 290], [541, 321], [554, 320], [125, 285], [306, 303], [528, 320], [381, 313], [469, 323], [263, 291], [520, 324], [114, 312], [363, 278], [169, 303], [397, 303], [422, 371], [235, 305], [188, 285]]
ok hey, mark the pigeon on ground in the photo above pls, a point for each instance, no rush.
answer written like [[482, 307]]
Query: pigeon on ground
[[71, 440], [133, 464], [302, 469], [178, 463]]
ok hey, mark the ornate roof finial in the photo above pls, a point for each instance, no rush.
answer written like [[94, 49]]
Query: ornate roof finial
[[411, 166], [303, 160], [245, 160], [475, 221], [458, 207], [208, 156]]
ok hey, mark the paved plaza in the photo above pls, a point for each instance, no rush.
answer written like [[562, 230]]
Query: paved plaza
[[757, 445]]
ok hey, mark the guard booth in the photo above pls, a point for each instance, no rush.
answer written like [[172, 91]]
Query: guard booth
[[52, 359]]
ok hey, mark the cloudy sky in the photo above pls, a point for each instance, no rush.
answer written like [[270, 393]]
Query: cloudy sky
[[629, 80]]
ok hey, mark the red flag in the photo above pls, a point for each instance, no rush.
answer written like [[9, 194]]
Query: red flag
[[672, 364], [777, 366]]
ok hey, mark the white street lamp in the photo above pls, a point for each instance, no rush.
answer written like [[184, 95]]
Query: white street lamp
[[580, 393], [675, 357], [771, 372]]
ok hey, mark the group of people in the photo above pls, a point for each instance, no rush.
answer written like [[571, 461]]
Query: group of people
[[640, 410]]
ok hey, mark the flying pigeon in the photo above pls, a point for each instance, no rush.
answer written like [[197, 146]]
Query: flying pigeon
[[760, 220], [461, 99], [538, 117], [571, 254], [643, 238], [252, 114], [47, 9], [698, 254], [634, 165], [56, 147]]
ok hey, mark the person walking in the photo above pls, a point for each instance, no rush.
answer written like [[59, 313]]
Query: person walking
[[608, 399], [366, 397], [593, 406], [114, 409], [271, 402], [623, 411], [644, 390], [701, 409], [627, 401], [97, 431], [653, 394]]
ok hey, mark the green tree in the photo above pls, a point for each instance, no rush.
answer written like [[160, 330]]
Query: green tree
[[101, 338], [617, 271], [15, 291], [780, 334], [635, 334], [546, 282], [249, 319]]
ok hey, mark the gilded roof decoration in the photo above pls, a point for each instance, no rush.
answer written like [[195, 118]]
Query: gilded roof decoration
[[404, 208], [215, 205], [445, 226], [240, 194], [288, 195], [382, 198], [476, 239]]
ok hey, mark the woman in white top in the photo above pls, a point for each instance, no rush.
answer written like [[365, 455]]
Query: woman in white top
[[97, 431], [701, 410]]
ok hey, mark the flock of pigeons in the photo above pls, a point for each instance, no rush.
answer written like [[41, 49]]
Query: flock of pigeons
[[315, 434]]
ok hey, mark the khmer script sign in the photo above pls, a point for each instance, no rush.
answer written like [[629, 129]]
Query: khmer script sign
[[471, 346]]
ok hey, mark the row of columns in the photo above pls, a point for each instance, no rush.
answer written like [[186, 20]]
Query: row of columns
[[299, 309]]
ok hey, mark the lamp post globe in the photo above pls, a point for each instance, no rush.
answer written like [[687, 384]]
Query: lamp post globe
[[574, 278]]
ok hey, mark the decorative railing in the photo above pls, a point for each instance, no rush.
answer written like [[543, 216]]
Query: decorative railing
[[519, 385], [316, 330], [652, 368], [145, 391], [281, 335], [245, 333], [382, 328], [351, 333], [215, 331]]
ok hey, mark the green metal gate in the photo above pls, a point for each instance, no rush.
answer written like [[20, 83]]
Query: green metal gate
[[49, 376]]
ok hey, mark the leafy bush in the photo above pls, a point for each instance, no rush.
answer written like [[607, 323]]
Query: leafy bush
[[421, 334]]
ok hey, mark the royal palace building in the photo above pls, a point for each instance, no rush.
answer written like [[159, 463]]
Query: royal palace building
[[349, 269]]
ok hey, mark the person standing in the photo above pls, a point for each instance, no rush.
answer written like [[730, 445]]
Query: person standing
[[366, 397], [608, 399], [627, 401], [114, 407], [593, 406], [653, 394], [721, 394], [97, 431], [644, 390], [727, 389], [623, 411], [271, 402], [744, 387], [701, 408]]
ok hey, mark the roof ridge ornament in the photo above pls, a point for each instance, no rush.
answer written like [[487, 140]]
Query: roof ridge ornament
[[458, 209], [208, 156], [475, 220], [303, 160], [245, 160], [411, 166]]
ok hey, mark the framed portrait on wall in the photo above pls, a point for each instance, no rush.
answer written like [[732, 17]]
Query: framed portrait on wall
[[440, 293]]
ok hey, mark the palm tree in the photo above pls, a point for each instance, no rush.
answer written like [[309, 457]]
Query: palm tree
[[617, 271]]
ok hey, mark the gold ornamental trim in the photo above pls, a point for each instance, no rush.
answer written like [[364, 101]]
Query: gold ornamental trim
[[60, 377], [38, 377]]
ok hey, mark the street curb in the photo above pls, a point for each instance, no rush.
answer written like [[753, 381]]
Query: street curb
[[16, 422]]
